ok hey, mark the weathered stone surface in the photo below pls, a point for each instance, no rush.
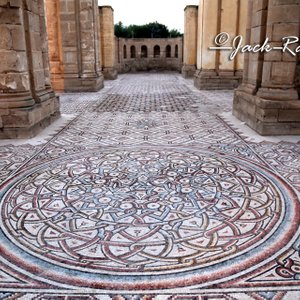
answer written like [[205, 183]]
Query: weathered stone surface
[[27, 123], [13, 61], [283, 73], [268, 100], [190, 41], [267, 121], [229, 16], [205, 80], [11, 81], [107, 48], [10, 16], [18, 38], [280, 29], [4, 2], [73, 29], [260, 5], [15, 3], [6, 38], [188, 71], [110, 73], [283, 13], [83, 84], [27, 103]]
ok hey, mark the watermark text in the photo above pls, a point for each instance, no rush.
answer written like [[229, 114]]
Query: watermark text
[[290, 44]]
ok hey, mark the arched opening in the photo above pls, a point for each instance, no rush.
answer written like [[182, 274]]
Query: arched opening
[[176, 51], [144, 51], [132, 52], [124, 51], [156, 51], [168, 51]]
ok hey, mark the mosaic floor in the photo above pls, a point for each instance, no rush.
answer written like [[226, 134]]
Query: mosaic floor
[[148, 191]]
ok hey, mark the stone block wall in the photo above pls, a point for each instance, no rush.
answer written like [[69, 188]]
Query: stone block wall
[[268, 100], [74, 45], [214, 68], [27, 101], [135, 55]]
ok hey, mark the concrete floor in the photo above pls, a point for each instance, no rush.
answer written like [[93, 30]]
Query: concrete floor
[[150, 189]]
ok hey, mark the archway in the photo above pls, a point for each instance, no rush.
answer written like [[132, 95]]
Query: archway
[[144, 51], [156, 51], [168, 51], [132, 52]]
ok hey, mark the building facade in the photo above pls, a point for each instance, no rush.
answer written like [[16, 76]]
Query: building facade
[[267, 95], [267, 100], [135, 55], [74, 45], [27, 100], [213, 69]]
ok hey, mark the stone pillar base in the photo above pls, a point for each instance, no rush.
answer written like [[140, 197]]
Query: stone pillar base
[[267, 117], [210, 80], [110, 73], [188, 71], [27, 122], [84, 84], [15, 100]]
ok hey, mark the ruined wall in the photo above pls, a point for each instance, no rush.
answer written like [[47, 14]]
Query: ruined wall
[[268, 99], [27, 101], [74, 43], [145, 58], [214, 69], [190, 41]]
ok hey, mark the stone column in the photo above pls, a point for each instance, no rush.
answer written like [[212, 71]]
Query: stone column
[[190, 41], [107, 33], [117, 59], [27, 102], [74, 43], [179, 43], [55, 44], [214, 68], [268, 99]]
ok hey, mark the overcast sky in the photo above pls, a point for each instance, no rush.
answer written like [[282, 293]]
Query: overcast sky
[[167, 12]]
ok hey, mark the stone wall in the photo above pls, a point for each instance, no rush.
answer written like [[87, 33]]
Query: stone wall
[[74, 45], [268, 100], [214, 68], [27, 101], [134, 55]]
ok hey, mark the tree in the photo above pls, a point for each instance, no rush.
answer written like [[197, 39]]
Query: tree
[[174, 33], [157, 30], [150, 30], [120, 30]]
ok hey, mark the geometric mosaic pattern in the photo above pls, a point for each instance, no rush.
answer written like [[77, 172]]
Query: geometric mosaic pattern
[[145, 211], [148, 194]]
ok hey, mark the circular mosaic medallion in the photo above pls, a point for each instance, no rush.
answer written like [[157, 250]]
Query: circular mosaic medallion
[[147, 213]]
